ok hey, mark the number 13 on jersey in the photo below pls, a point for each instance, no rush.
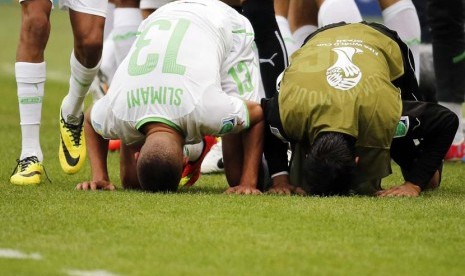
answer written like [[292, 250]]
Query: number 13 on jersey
[[144, 44]]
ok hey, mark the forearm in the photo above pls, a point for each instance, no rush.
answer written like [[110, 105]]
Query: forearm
[[97, 149], [253, 149]]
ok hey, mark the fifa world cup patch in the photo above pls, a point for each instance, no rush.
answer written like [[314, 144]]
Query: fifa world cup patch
[[402, 127], [227, 125], [97, 127]]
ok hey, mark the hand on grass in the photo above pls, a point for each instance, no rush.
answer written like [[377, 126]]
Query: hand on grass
[[96, 185], [406, 189], [286, 190], [281, 186], [243, 190]]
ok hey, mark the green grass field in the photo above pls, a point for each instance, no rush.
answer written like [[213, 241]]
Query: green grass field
[[55, 230]]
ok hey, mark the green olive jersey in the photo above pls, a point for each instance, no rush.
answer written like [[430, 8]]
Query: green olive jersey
[[341, 81]]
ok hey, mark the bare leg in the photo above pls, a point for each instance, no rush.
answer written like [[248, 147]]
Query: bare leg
[[303, 19], [30, 73], [35, 30], [88, 37], [301, 13], [147, 12], [84, 63]]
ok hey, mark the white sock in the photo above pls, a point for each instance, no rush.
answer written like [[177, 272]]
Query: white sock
[[127, 22], [109, 65], [334, 11], [457, 109], [193, 151], [302, 33], [402, 17], [79, 82], [285, 30], [30, 79], [109, 20]]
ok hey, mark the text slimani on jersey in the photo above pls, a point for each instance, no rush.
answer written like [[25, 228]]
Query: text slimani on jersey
[[149, 95]]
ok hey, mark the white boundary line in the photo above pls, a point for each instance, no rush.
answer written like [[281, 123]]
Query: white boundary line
[[16, 254], [99, 272]]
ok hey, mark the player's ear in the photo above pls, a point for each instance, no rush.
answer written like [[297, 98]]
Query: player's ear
[[136, 155], [356, 159]]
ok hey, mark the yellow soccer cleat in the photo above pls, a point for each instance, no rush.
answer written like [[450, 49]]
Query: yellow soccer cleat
[[72, 152], [29, 171]]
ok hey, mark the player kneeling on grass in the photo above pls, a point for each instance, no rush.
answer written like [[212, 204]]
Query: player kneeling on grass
[[191, 72], [339, 106]]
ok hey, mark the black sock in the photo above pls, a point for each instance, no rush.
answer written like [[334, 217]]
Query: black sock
[[270, 43]]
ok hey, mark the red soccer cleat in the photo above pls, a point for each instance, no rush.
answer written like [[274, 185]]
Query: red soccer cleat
[[455, 152], [191, 172]]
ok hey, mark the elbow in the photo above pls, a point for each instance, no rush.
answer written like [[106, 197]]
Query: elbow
[[255, 113]]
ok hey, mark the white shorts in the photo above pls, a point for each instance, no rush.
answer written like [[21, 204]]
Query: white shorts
[[153, 4], [95, 7]]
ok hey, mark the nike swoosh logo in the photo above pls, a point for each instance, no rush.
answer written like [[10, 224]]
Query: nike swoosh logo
[[30, 174], [69, 159]]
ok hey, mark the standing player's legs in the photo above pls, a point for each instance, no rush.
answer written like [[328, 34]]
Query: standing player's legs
[[271, 49], [427, 84], [116, 46], [401, 16], [109, 19], [127, 20], [30, 79], [121, 35], [302, 16], [281, 9], [446, 20], [335, 11], [149, 6], [88, 26]]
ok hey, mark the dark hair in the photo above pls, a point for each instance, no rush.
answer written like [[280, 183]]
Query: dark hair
[[330, 164], [159, 166]]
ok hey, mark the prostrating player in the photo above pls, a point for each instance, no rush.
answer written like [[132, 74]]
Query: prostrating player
[[339, 105], [192, 72]]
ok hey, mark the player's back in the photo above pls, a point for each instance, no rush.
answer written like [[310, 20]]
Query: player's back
[[345, 75], [177, 56]]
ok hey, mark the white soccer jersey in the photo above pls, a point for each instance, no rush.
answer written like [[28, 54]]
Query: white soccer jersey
[[189, 67]]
